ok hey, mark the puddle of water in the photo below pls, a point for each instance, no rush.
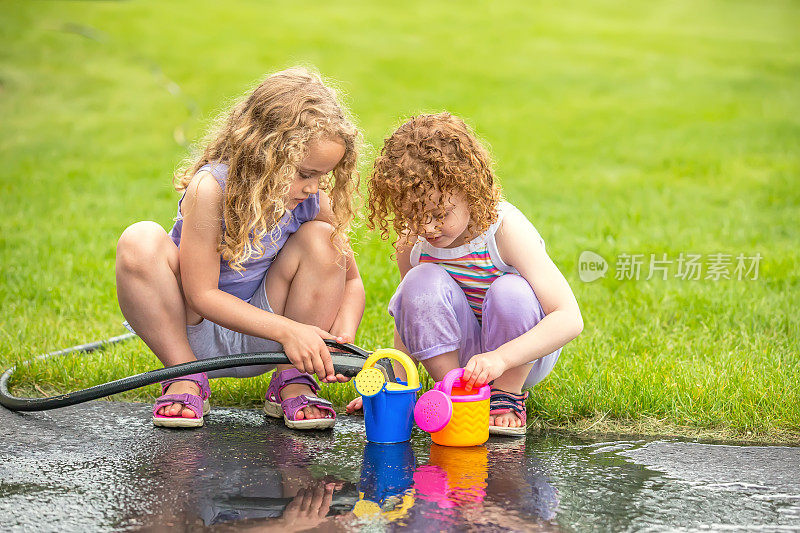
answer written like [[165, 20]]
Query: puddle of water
[[103, 467]]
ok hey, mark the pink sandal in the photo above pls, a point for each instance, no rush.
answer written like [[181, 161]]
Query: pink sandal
[[277, 408], [198, 404], [502, 402]]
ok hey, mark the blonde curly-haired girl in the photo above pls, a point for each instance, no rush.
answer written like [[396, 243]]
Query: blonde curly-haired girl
[[258, 256], [478, 289]]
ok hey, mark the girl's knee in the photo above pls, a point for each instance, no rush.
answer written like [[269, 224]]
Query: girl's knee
[[313, 238], [511, 287], [314, 230], [426, 290], [428, 276], [139, 245], [425, 285], [511, 296]]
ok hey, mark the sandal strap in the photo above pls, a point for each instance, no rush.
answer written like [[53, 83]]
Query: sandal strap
[[190, 401], [200, 379], [285, 377], [505, 401], [290, 406]]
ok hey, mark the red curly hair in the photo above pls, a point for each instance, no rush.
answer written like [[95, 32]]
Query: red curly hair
[[431, 154]]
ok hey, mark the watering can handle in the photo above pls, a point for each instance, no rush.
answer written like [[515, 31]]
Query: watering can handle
[[412, 376], [450, 379]]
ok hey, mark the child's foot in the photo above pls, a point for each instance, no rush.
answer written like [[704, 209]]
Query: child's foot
[[294, 390], [507, 415], [355, 405], [291, 396], [178, 409], [183, 402], [506, 420]]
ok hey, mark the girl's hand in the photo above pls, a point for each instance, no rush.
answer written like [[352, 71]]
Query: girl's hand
[[309, 507], [306, 350], [483, 368], [343, 338], [355, 405]]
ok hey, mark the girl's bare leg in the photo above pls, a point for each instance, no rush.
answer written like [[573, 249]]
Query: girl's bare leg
[[151, 299], [440, 365], [306, 284]]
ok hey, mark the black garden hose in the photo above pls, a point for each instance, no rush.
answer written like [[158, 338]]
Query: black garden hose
[[347, 363]]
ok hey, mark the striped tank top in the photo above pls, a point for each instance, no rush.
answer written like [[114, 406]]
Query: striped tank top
[[474, 265]]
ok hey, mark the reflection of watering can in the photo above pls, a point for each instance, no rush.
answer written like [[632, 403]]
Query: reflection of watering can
[[453, 477], [453, 416], [388, 405], [387, 475]]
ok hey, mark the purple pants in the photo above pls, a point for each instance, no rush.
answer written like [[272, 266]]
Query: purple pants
[[433, 317]]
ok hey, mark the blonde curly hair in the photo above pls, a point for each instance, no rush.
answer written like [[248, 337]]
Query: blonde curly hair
[[426, 156], [262, 139]]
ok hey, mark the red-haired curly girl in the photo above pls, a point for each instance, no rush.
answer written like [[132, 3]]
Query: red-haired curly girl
[[258, 256], [478, 289]]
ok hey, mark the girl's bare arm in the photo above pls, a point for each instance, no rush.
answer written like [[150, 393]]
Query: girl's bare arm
[[199, 267], [520, 246]]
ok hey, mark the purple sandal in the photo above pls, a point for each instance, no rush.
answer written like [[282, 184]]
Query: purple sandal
[[198, 404], [502, 402], [277, 408]]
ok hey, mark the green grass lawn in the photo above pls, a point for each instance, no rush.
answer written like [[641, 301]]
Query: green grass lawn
[[661, 127]]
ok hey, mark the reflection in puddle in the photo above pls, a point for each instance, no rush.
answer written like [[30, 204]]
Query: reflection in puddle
[[102, 467], [451, 489], [385, 490], [453, 477]]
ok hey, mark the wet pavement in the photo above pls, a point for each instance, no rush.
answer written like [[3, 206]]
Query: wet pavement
[[104, 467]]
